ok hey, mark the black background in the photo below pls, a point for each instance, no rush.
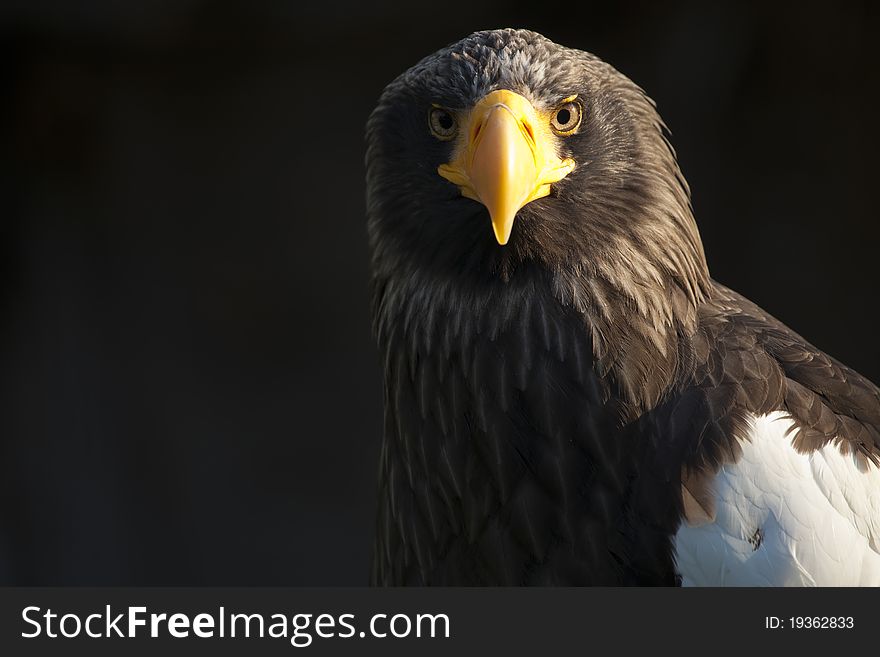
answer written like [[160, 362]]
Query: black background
[[188, 389]]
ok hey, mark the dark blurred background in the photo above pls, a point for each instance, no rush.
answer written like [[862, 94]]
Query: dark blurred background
[[189, 392]]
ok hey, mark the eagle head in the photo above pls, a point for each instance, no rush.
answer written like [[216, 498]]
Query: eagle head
[[506, 149], [505, 166]]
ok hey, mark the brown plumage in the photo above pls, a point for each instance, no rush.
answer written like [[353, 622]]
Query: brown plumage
[[555, 407]]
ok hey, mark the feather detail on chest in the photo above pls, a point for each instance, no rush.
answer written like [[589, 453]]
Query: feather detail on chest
[[507, 456]]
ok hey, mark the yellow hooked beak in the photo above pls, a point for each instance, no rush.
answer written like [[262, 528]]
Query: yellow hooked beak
[[505, 158]]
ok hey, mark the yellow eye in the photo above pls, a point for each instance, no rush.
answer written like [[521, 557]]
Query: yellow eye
[[566, 118], [442, 123]]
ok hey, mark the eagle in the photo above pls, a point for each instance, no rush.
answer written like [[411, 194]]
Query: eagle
[[570, 398]]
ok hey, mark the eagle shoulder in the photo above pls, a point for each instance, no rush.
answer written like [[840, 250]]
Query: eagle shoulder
[[780, 447], [747, 361]]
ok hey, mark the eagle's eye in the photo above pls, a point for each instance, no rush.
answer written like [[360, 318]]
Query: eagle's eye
[[566, 118], [442, 122]]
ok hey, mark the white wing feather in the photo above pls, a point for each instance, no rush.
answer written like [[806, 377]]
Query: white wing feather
[[786, 519]]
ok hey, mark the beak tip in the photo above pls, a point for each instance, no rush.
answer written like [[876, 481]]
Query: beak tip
[[502, 233]]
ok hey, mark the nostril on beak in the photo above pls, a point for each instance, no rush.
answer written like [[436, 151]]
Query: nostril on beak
[[477, 129], [527, 126]]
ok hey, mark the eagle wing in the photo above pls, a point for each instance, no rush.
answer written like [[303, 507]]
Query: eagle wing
[[781, 484]]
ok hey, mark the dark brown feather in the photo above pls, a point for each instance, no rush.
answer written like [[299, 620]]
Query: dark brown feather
[[556, 407]]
